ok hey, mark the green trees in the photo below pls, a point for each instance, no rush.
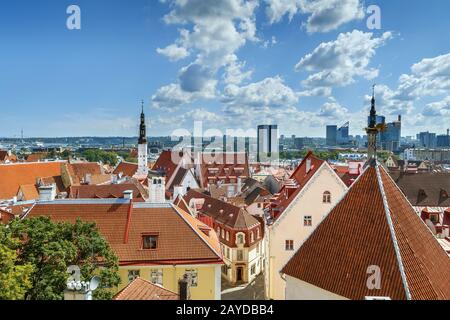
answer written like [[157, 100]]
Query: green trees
[[14, 278], [97, 155], [49, 248]]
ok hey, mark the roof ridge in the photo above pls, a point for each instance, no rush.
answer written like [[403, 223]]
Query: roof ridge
[[175, 208], [392, 232]]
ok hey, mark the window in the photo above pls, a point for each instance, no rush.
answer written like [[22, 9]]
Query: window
[[228, 253], [149, 242], [326, 197], [253, 269], [257, 234], [252, 237], [434, 218], [222, 234], [240, 238], [156, 276], [227, 236], [289, 245], [133, 274], [307, 221], [240, 255], [218, 231], [192, 276]]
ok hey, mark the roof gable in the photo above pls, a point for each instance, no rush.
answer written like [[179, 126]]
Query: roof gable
[[373, 225]]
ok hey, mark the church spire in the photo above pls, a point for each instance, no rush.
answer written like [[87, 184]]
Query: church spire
[[372, 132], [142, 127]]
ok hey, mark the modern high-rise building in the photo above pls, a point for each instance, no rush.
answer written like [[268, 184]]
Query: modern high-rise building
[[267, 147], [332, 135], [427, 140], [391, 136], [443, 141], [342, 134]]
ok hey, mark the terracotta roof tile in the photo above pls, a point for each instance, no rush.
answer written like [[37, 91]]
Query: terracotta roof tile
[[104, 191], [126, 169], [223, 212], [140, 289], [177, 240], [12, 176], [356, 234]]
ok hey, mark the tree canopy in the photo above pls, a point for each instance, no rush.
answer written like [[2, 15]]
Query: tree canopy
[[50, 248]]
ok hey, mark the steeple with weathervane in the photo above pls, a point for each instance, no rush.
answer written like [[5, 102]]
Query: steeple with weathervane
[[142, 171], [372, 131]]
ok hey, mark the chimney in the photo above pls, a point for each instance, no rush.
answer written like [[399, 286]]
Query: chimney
[[47, 193], [178, 191], [448, 132], [128, 194], [399, 118], [88, 178], [308, 165], [183, 285]]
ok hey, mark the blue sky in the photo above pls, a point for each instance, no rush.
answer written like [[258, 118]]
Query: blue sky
[[229, 63]]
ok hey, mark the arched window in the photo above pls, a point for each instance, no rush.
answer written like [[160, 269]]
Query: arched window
[[240, 238], [327, 197], [227, 236], [257, 233], [252, 237]]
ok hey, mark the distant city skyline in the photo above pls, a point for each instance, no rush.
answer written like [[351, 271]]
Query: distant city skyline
[[230, 63]]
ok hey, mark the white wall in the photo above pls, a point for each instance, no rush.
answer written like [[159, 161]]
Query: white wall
[[300, 290], [289, 225]]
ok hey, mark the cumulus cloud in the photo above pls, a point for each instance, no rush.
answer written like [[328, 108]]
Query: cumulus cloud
[[213, 30], [438, 109], [430, 76], [323, 15], [173, 52], [332, 109], [270, 92], [338, 63]]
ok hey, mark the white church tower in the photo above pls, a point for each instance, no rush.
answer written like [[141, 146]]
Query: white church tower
[[142, 171]]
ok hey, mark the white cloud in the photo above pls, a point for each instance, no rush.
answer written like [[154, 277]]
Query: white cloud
[[270, 92], [173, 52], [339, 62], [213, 30], [323, 15], [332, 109], [428, 77], [438, 109]]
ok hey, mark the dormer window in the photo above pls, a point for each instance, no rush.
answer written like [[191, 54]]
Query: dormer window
[[434, 217], [149, 242]]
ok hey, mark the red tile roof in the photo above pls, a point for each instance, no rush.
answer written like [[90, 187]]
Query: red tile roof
[[12, 176], [78, 171], [226, 167], [364, 230], [298, 180], [140, 289], [4, 156], [180, 241], [104, 191], [128, 169], [165, 164], [223, 212]]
